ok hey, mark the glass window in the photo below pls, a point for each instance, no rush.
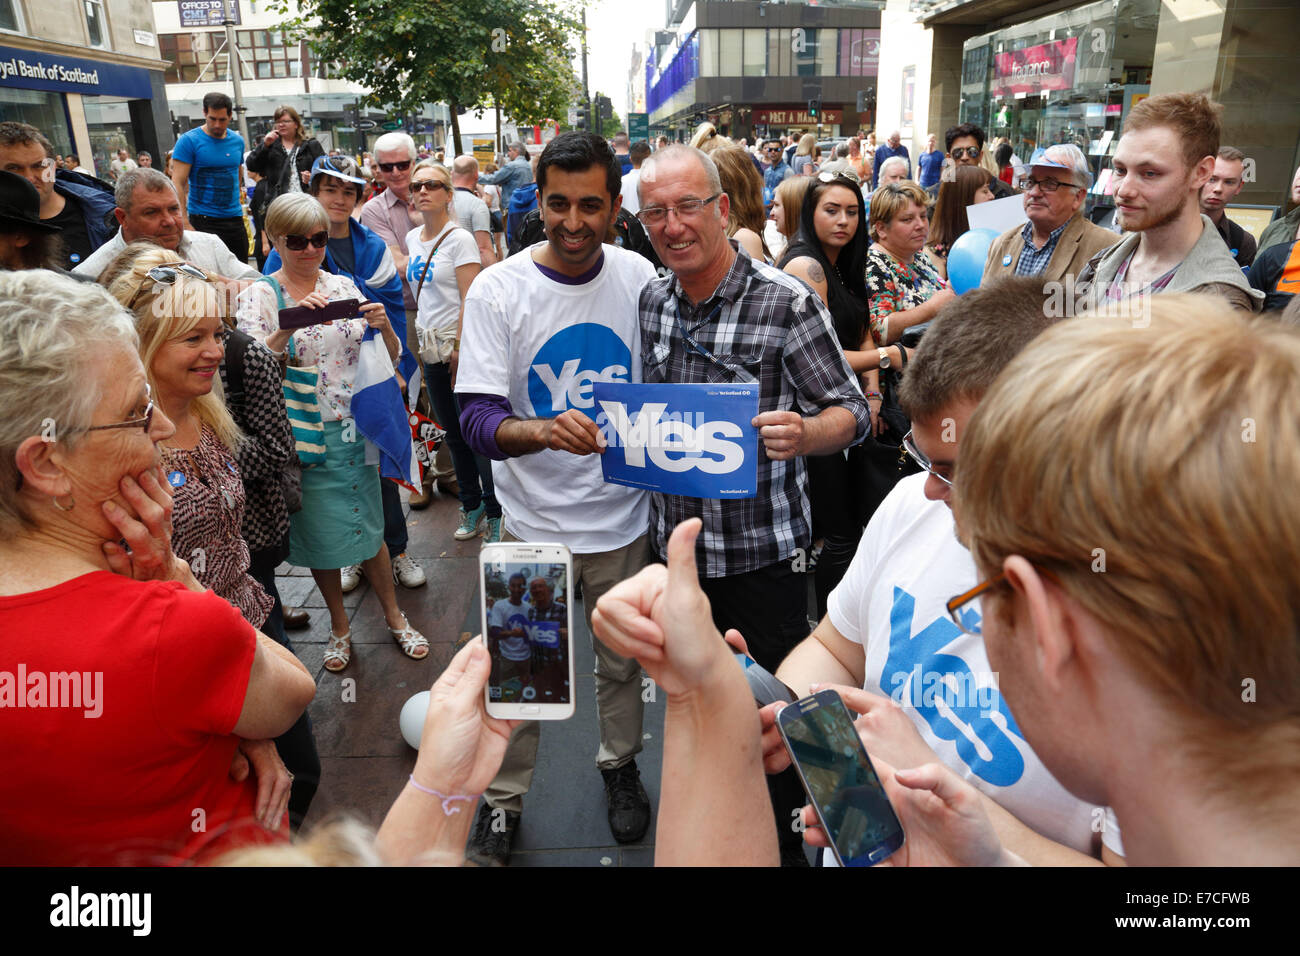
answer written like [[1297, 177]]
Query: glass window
[[96, 27], [778, 53], [9, 16], [755, 61], [277, 38], [279, 68], [261, 37], [805, 54], [708, 52], [42, 110], [826, 53], [295, 67], [244, 37], [263, 71], [729, 52]]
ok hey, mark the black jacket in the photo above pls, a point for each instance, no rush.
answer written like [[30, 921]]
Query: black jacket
[[271, 162], [628, 233]]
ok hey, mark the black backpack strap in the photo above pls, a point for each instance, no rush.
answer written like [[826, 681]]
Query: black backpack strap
[[236, 347]]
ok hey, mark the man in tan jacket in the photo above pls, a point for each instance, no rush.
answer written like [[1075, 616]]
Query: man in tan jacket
[[1057, 240]]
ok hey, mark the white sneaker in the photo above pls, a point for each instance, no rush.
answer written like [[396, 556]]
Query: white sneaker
[[351, 577], [406, 572]]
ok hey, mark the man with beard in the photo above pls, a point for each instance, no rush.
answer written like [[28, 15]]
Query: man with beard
[[1165, 156], [536, 327]]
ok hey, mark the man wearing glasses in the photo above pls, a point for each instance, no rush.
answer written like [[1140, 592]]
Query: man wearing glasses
[[723, 317], [964, 144], [68, 201], [1058, 240], [887, 632], [775, 170]]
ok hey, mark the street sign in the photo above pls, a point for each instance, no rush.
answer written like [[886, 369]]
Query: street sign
[[368, 124], [392, 125], [638, 126]]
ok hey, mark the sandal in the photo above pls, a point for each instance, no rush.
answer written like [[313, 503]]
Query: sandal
[[338, 652], [414, 644]]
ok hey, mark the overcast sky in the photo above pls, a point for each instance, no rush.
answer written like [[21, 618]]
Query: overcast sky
[[613, 26]]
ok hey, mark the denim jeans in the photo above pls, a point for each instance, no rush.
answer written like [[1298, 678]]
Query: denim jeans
[[473, 472]]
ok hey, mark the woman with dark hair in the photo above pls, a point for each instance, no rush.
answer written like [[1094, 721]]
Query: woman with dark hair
[[1002, 158], [829, 253], [968, 187]]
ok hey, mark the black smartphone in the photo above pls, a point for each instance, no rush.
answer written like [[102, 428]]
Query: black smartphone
[[301, 316], [840, 780]]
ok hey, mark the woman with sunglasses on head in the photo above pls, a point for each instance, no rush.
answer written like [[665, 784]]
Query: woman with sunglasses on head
[[81, 475], [341, 522], [829, 253], [444, 260]]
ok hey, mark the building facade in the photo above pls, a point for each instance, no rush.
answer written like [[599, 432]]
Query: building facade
[[275, 70], [87, 74], [751, 68], [1072, 74]]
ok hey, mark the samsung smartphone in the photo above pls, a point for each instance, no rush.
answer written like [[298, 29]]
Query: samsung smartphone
[[301, 316], [528, 629], [840, 780]]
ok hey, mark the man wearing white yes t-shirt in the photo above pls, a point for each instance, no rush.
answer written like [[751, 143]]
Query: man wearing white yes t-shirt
[[539, 329], [927, 691]]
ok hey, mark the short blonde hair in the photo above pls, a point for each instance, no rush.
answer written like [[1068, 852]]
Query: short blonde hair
[[807, 145], [893, 198], [54, 332], [165, 312], [1170, 453], [295, 214]]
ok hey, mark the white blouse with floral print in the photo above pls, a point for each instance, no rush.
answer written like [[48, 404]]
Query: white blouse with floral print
[[334, 348]]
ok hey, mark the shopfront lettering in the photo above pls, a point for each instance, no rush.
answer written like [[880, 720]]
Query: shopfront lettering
[[16, 67], [1047, 66]]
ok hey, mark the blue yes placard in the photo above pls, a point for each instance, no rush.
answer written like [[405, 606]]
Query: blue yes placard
[[692, 440]]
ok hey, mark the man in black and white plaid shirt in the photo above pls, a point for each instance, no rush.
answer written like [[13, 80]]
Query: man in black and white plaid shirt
[[723, 317]]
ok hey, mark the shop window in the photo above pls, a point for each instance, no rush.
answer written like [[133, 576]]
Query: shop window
[[96, 25], [11, 16], [755, 56]]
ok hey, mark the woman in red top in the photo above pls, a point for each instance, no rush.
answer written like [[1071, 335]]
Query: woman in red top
[[125, 687]]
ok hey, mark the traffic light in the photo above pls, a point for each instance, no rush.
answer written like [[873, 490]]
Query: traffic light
[[815, 108], [582, 117]]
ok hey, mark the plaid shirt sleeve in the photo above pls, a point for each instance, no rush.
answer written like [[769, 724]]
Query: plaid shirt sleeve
[[816, 366]]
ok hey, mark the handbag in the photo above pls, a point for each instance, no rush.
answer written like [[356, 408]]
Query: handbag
[[436, 345], [300, 401]]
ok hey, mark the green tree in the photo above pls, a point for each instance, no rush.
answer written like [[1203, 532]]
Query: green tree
[[515, 54]]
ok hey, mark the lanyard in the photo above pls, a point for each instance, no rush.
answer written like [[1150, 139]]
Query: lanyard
[[696, 346]]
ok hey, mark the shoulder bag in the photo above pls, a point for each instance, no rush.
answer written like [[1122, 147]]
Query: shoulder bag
[[435, 345], [300, 400]]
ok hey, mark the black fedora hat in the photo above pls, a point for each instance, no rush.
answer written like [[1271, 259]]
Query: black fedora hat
[[20, 204]]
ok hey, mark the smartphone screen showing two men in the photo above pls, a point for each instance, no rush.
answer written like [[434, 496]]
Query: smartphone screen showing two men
[[527, 621], [840, 780]]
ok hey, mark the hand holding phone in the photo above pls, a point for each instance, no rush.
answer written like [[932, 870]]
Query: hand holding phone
[[302, 316]]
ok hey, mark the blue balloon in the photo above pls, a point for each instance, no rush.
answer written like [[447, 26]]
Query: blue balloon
[[966, 259]]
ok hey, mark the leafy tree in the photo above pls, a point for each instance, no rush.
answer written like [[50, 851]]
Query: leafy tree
[[470, 54]]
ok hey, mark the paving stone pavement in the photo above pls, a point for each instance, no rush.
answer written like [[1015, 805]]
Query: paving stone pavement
[[365, 761]]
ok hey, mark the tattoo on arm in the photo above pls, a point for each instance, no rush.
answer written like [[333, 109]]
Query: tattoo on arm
[[815, 271]]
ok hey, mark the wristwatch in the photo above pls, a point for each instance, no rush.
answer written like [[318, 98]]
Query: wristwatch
[[884, 357]]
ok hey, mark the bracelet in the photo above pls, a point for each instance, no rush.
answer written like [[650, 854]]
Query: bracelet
[[871, 395], [445, 798]]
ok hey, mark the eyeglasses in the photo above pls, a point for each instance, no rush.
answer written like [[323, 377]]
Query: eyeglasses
[[167, 275], [1046, 185], [971, 152], [143, 422], [401, 167], [955, 604], [688, 209], [428, 184], [909, 446], [771, 149], [299, 243]]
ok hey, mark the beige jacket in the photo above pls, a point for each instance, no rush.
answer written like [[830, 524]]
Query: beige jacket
[[1079, 243]]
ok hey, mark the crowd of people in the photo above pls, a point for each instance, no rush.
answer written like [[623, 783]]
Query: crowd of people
[[1018, 505]]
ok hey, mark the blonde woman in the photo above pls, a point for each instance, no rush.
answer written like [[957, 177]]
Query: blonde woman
[[744, 187], [806, 156], [341, 522]]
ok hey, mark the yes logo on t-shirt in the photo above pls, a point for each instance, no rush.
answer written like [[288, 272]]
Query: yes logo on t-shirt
[[943, 690], [560, 376]]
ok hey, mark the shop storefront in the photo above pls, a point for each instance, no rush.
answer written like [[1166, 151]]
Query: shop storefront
[[1069, 77], [83, 105]]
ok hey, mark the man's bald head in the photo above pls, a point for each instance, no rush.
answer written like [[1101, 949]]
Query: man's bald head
[[464, 171]]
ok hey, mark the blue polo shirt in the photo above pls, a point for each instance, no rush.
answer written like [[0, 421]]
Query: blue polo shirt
[[214, 171]]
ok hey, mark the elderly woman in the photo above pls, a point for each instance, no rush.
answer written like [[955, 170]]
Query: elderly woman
[[341, 521], [80, 477], [210, 459], [444, 260], [360, 254]]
